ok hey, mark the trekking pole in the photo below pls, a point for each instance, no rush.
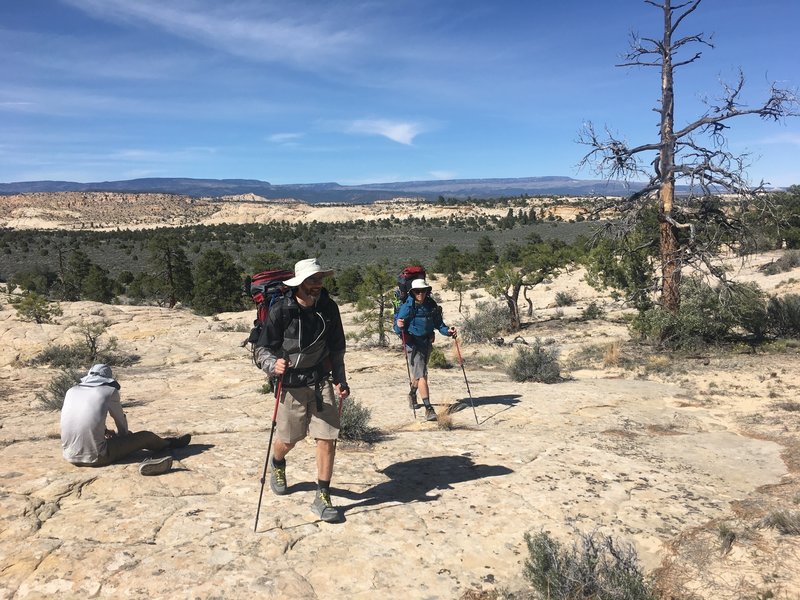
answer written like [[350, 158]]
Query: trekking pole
[[410, 381], [461, 362], [269, 448], [341, 401]]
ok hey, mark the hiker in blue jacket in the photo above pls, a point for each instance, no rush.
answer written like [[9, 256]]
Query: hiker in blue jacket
[[418, 318]]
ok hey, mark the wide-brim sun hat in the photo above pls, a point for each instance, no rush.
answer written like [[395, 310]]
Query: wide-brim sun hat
[[303, 269], [99, 374], [420, 284]]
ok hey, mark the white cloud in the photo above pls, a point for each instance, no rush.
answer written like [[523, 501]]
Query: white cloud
[[285, 138], [443, 174], [791, 138], [255, 30], [400, 132]]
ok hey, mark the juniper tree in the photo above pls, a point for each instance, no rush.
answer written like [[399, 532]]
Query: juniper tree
[[171, 271], [374, 294]]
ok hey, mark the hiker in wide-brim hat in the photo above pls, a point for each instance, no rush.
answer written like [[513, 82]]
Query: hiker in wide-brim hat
[[302, 346], [418, 318], [309, 267], [85, 440]]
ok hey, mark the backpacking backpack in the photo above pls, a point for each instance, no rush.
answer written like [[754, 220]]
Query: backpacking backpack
[[404, 279], [264, 288]]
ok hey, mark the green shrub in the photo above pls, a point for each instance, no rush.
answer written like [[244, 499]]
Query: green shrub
[[354, 423], [706, 316], [564, 299], [52, 398], [535, 363], [595, 568], [490, 318], [784, 315], [34, 307], [786, 262], [82, 355], [437, 359], [592, 312]]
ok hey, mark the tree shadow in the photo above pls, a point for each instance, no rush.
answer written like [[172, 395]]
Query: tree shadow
[[414, 480]]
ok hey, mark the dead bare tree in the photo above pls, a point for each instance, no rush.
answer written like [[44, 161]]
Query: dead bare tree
[[695, 155]]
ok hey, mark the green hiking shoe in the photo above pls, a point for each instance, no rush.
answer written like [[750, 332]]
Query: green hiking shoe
[[324, 509], [277, 479]]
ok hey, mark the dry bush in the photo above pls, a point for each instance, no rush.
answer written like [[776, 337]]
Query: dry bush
[[444, 421], [52, 397], [596, 567], [785, 521], [612, 355]]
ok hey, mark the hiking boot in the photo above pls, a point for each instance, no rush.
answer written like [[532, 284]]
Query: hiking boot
[[430, 414], [324, 509], [156, 466], [277, 479], [412, 402], [179, 442]]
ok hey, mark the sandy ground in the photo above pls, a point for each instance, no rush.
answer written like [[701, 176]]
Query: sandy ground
[[671, 458]]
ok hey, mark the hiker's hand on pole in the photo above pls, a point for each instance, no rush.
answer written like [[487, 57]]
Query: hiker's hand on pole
[[280, 366], [451, 332], [401, 323], [342, 390]]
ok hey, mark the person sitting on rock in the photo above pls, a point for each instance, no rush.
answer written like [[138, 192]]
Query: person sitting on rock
[[85, 440]]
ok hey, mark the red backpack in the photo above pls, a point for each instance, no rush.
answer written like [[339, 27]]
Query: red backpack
[[264, 288], [404, 279]]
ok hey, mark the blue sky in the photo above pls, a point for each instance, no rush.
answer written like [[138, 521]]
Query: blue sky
[[364, 91]]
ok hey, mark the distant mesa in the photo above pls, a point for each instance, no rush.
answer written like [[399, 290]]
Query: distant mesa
[[314, 193]]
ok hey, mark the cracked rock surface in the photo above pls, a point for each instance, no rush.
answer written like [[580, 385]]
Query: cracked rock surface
[[429, 512]]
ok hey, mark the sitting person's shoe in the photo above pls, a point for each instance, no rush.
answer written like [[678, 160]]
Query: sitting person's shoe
[[324, 509], [179, 442], [430, 414], [156, 466], [277, 479]]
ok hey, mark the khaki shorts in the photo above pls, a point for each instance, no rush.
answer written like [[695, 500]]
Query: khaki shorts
[[298, 415], [418, 361]]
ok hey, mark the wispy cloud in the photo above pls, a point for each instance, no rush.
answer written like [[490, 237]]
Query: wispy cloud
[[260, 31], [790, 138], [443, 174], [397, 131], [157, 156], [285, 138]]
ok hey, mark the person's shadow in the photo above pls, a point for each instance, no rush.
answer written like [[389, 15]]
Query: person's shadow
[[506, 401], [177, 453], [503, 400], [415, 480]]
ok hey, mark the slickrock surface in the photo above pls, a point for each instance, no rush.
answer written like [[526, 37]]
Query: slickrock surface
[[658, 459]]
